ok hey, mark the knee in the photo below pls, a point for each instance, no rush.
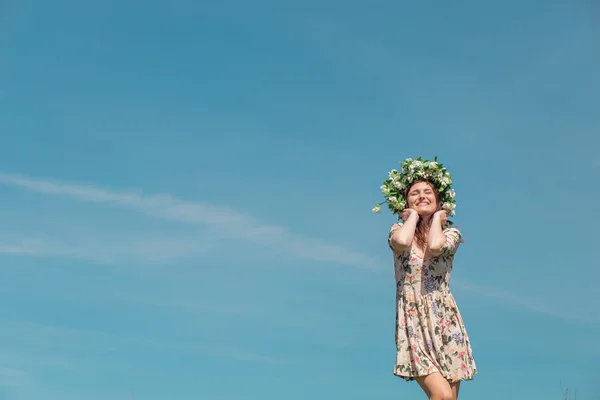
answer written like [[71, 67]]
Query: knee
[[445, 395]]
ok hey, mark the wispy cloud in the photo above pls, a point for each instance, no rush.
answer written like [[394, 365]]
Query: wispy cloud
[[195, 306], [523, 302], [226, 222], [72, 347], [20, 248], [11, 377], [112, 251]]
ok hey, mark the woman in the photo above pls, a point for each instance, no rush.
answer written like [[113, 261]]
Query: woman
[[432, 345]]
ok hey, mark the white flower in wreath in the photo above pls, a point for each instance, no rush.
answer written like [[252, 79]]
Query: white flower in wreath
[[451, 193], [448, 206]]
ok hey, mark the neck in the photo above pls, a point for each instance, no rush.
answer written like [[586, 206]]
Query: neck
[[425, 219]]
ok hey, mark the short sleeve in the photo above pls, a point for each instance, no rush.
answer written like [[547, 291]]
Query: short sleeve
[[392, 229], [453, 239]]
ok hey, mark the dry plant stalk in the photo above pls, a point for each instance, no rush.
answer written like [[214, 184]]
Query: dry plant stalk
[[565, 393]]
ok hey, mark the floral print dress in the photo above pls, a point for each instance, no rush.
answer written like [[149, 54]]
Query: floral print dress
[[430, 333]]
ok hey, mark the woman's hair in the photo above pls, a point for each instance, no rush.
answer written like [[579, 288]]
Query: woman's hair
[[422, 228]]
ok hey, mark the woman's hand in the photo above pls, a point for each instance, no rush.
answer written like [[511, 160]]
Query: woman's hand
[[407, 213], [442, 216]]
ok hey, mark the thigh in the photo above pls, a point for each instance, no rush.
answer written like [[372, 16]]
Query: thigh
[[455, 387], [435, 385]]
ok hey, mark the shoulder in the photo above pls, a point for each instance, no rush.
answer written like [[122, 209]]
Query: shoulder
[[395, 226], [451, 229]]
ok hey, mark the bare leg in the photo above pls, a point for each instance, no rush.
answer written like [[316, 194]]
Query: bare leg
[[437, 387], [455, 386]]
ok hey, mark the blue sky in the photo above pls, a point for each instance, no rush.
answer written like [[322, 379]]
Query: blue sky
[[186, 193]]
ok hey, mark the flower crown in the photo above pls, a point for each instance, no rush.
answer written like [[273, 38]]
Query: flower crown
[[416, 170]]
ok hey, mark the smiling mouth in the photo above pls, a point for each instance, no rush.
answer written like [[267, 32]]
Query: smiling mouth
[[423, 203]]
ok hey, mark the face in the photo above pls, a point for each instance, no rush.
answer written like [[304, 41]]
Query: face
[[421, 197]]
